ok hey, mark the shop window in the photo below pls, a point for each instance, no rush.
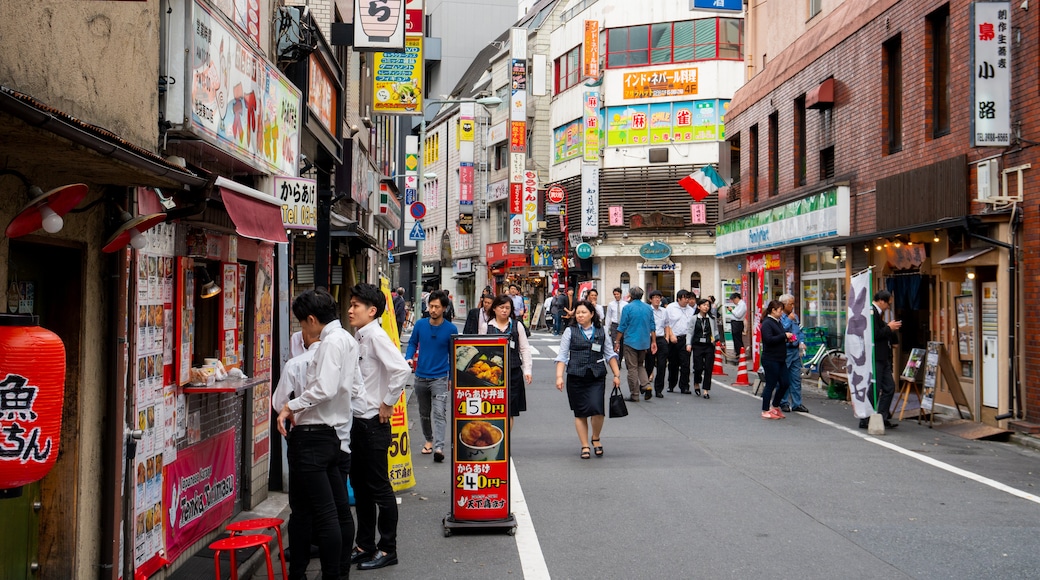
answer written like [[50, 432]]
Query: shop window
[[810, 262], [626, 282], [222, 328], [799, 141], [823, 294], [695, 284]]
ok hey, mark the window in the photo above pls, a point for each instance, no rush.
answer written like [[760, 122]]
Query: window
[[774, 153], [568, 70], [823, 303], [675, 42], [892, 88], [695, 284], [827, 163], [501, 156], [753, 162], [626, 282], [502, 225], [815, 6], [432, 149], [734, 158], [939, 70], [799, 141]]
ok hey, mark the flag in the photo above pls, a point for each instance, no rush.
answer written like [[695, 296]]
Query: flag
[[702, 183], [859, 343]]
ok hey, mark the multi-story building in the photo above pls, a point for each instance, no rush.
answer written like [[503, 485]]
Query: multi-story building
[[639, 99], [895, 136]]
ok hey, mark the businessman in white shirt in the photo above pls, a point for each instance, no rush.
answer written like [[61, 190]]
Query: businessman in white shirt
[[384, 372], [320, 417], [736, 322]]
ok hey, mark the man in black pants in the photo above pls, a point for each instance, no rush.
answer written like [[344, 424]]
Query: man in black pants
[[319, 441], [736, 323], [885, 335], [657, 362]]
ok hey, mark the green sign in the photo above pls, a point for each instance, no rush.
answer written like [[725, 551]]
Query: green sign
[[583, 250]]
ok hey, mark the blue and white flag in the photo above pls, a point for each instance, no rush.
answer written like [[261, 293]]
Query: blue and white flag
[[859, 344]]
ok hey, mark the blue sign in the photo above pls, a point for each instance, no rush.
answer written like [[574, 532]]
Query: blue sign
[[418, 233], [727, 5], [655, 251], [409, 195], [583, 251], [390, 258]]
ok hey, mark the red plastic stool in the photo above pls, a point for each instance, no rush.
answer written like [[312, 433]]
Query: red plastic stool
[[262, 524], [232, 543]]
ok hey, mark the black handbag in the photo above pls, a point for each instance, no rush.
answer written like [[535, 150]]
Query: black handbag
[[617, 404]]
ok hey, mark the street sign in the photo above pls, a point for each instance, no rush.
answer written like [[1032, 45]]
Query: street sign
[[418, 210], [389, 243], [556, 194], [390, 258], [418, 233], [583, 251], [409, 196]]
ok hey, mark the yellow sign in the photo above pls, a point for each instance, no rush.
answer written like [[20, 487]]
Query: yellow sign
[[660, 83], [398, 84], [399, 454], [411, 162], [466, 129]]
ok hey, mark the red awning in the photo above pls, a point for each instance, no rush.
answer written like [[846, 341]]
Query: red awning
[[256, 214]]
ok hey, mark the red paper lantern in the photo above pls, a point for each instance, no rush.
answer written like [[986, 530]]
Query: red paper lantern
[[32, 390]]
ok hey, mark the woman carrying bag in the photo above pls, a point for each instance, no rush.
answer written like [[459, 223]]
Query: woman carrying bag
[[774, 360], [585, 352], [503, 322]]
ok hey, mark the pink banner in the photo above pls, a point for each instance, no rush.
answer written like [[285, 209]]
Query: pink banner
[[198, 492]]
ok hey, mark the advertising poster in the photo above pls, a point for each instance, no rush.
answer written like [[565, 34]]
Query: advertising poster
[[185, 318], [480, 428], [200, 493], [263, 355], [398, 82], [627, 126], [678, 122], [567, 141], [660, 123], [591, 120], [229, 317]]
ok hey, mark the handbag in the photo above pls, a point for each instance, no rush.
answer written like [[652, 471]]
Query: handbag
[[617, 404]]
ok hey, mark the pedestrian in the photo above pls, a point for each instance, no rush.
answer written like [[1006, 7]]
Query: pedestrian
[[505, 322], [701, 337], [479, 316], [680, 314], [519, 306], [614, 317], [383, 372], [431, 337], [425, 303], [449, 313], [657, 361], [318, 438], [585, 352], [885, 336], [792, 400], [593, 296], [774, 357], [554, 311], [636, 328], [567, 305], [399, 311], [736, 322]]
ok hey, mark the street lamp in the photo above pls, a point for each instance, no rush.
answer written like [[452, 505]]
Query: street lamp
[[489, 102]]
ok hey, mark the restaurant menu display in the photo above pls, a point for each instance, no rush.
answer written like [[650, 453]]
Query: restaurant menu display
[[480, 430]]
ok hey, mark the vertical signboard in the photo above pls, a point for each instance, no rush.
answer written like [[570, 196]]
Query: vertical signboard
[[591, 119], [517, 135], [516, 234], [589, 201], [591, 65], [480, 431], [466, 133], [398, 83], [530, 201], [991, 66]]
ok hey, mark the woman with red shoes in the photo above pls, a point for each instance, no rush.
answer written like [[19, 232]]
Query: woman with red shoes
[[774, 357]]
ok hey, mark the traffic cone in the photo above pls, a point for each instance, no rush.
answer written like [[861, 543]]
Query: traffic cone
[[742, 380], [718, 370]]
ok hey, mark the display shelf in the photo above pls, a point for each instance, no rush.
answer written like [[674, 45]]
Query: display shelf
[[225, 386]]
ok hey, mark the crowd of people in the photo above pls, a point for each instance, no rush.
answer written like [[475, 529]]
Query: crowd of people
[[337, 393]]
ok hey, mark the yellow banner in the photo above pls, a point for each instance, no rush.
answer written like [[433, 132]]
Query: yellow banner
[[399, 79], [399, 454]]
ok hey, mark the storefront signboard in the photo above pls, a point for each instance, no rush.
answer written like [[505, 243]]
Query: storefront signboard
[[200, 491], [299, 197], [820, 216], [398, 83], [660, 83], [480, 429], [655, 250]]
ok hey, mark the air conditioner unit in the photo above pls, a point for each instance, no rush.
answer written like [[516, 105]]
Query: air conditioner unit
[[482, 166], [987, 182], [483, 213]]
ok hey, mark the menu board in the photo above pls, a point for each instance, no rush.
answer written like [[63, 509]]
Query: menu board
[[480, 428]]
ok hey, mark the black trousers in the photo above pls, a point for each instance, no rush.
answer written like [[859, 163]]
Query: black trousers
[[678, 365], [736, 328], [369, 440], [887, 387], [703, 364], [319, 502], [658, 362]]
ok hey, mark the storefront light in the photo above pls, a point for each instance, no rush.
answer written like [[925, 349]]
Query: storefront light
[[970, 272], [935, 236]]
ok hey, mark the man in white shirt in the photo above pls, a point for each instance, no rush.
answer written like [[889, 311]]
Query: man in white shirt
[[679, 314], [613, 317], [320, 418], [736, 322], [657, 363], [384, 372]]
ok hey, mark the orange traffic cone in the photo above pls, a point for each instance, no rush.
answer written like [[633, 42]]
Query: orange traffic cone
[[718, 370], [742, 380]]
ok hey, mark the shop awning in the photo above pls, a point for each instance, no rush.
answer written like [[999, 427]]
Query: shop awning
[[960, 258], [256, 214]]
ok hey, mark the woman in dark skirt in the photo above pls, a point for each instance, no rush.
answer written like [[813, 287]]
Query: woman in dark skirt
[[503, 322], [585, 352]]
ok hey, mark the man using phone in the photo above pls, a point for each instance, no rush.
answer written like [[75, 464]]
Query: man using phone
[[885, 335]]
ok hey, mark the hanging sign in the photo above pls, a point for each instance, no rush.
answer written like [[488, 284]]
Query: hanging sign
[[299, 197], [556, 194], [200, 491]]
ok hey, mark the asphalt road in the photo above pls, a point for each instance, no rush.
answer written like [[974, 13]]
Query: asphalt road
[[694, 488]]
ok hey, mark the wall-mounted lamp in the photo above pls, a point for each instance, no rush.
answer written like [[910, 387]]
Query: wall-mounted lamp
[[970, 272], [866, 248], [208, 288], [132, 231], [897, 242], [836, 253], [935, 236], [44, 210], [878, 246]]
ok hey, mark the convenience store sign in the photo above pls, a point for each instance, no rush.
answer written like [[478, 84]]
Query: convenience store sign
[[819, 216]]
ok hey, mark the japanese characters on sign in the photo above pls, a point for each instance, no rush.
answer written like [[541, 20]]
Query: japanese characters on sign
[[617, 215], [299, 197], [398, 83], [516, 234], [660, 83], [517, 135], [698, 213], [992, 70], [480, 428], [589, 200], [591, 55], [379, 24], [530, 201], [321, 94], [592, 128], [658, 123]]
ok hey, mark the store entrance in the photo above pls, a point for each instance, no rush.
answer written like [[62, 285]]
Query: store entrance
[[663, 281]]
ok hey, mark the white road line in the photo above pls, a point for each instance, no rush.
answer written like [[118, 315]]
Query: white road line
[[532, 561], [912, 454]]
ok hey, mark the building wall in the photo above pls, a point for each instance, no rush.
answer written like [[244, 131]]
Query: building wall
[[455, 22], [773, 26]]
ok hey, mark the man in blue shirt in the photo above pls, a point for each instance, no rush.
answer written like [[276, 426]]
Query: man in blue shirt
[[432, 338], [636, 329], [792, 400]]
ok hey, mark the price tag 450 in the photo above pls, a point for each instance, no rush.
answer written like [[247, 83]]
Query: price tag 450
[[478, 406]]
